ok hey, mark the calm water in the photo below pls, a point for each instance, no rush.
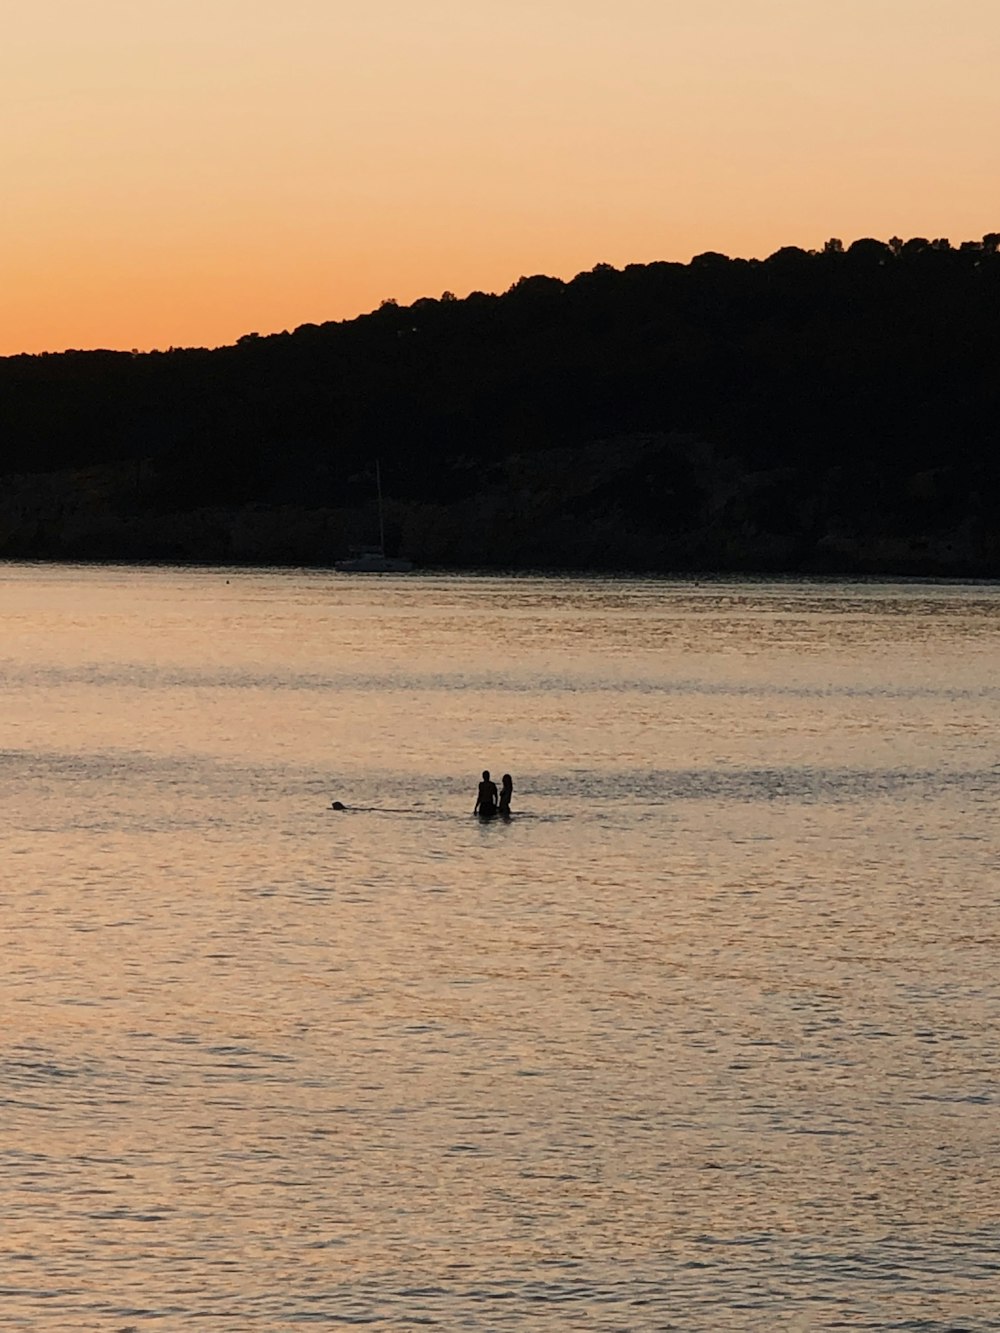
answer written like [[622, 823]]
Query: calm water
[[708, 1037]]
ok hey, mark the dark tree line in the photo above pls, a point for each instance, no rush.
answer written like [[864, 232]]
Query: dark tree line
[[834, 409]]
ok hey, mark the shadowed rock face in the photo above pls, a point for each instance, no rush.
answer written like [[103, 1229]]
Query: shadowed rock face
[[827, 412]]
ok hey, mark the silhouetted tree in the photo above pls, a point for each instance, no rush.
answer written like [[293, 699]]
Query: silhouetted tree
[[799, 412]]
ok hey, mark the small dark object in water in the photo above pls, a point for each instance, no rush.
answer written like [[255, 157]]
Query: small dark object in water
[[338, 805]]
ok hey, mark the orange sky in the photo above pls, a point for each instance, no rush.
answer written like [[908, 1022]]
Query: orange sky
[[181, 172]]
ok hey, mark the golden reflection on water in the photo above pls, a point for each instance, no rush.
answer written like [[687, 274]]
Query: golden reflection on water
[[704, 1038]]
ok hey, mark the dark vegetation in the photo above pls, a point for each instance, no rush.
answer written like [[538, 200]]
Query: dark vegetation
[[833, 411]]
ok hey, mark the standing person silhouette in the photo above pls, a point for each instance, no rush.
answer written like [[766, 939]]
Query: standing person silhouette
[[486, 801], [506, 792]]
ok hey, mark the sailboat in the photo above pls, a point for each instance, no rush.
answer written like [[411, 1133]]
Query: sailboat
[[373, 559]]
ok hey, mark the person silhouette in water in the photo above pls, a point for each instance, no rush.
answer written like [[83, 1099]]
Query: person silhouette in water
[[486, 801], [506, 792]]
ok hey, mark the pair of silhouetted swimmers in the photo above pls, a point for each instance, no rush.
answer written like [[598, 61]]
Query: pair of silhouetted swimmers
[[489, 802]]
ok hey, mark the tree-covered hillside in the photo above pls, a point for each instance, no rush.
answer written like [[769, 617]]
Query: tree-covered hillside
[[818, 411]]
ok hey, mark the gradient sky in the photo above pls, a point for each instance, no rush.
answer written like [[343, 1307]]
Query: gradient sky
[[181, 172]]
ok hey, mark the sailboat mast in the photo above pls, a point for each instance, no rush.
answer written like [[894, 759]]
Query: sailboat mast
[[381, 520]]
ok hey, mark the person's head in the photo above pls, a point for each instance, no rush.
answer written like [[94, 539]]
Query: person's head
[[486, 775], [507, 780]]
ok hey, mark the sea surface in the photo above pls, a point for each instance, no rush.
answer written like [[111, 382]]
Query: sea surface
[[706, 1038]]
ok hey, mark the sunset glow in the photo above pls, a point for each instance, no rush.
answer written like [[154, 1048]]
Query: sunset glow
[[182, 173]]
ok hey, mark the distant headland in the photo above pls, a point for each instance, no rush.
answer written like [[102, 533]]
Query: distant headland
[[831, 412]]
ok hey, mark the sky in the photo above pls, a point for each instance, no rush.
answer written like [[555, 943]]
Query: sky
[[182, 172]]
